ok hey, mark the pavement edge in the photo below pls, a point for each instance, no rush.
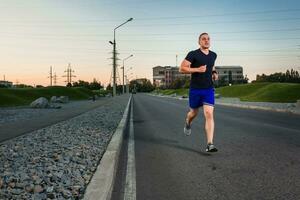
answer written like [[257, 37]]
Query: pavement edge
[[101, 185]]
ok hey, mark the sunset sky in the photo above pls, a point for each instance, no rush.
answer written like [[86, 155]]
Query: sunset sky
[[261, 36]]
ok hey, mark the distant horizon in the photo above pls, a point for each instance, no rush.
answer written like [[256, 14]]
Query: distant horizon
[[262, 37], [151, 79]]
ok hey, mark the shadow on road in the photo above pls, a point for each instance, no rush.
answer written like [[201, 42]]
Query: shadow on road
[[169, 143]]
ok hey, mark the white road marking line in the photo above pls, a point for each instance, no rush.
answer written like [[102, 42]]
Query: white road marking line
[[130, 184]]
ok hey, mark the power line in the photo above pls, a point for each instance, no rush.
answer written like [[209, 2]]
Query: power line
[[148, 34], [169, 24], [223, 14], [216, 22], [164, 17], [220, 52]]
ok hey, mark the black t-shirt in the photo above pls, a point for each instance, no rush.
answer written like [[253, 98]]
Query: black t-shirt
[[198, 58]]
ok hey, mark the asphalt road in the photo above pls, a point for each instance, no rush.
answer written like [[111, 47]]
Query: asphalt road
[[258, 158], [13, 129]]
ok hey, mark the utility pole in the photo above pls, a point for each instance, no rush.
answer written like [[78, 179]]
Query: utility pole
[[4, 77], [50, 75], [55, 78], [176, 60], [69, 75], [114, 66], [123, 88]]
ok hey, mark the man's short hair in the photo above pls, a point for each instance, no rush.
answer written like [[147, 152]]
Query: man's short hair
[[204, 33]]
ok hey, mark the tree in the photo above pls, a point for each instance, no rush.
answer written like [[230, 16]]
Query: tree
[[141, 85], [95, 85], [290, 76]]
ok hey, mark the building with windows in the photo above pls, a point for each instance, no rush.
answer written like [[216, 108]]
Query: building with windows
[[230, 74], [163, 76], [4, 83]]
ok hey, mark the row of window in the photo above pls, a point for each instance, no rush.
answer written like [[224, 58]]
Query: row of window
[[236, 72]]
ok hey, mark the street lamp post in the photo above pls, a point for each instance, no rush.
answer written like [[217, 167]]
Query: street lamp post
[[127, 86], [127, 78], [115, 57], [123, 72]]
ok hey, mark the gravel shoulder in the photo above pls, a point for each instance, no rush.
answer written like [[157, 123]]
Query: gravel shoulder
[[58, 161], [17, 121], [13, 114]]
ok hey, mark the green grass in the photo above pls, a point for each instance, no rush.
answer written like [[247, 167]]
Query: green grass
[[264, 92], [24, 96]]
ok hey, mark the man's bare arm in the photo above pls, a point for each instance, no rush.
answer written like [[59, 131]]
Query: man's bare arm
[[215, 75], [185, 68]]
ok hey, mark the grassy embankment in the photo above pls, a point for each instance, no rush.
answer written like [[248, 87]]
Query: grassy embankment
[[24, 96], [265, 92]]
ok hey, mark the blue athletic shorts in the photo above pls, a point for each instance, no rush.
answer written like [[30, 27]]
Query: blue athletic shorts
[[198, 97]]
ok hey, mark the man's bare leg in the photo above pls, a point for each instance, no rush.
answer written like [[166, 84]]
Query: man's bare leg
[[209, 127], [209, 122], [189, 117]]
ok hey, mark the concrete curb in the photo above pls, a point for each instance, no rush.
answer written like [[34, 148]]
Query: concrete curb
[[102, 182], [295, 111]]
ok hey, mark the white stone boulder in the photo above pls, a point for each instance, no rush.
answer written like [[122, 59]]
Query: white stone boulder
[[298, 103], [63, 99], [41, 102], [53, 99]]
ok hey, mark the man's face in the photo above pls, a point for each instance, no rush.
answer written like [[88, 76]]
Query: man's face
[[204, 41]]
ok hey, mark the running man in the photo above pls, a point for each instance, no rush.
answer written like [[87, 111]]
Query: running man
[[200, 64]]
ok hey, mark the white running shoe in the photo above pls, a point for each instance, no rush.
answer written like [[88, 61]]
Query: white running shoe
[[211, 148], [187, 129]]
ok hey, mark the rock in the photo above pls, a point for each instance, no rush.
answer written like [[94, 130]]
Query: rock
[[51, 195], [38, 189], [41, 102], [12, 184], [53, 99], [298, 103], [56, 157], [50, 189], [19, 185], [39, 196], [16, 191], [1, 182], [63, 99], [75, 193], [36, 179], [29, 188], [66, 193], [291, 105]]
